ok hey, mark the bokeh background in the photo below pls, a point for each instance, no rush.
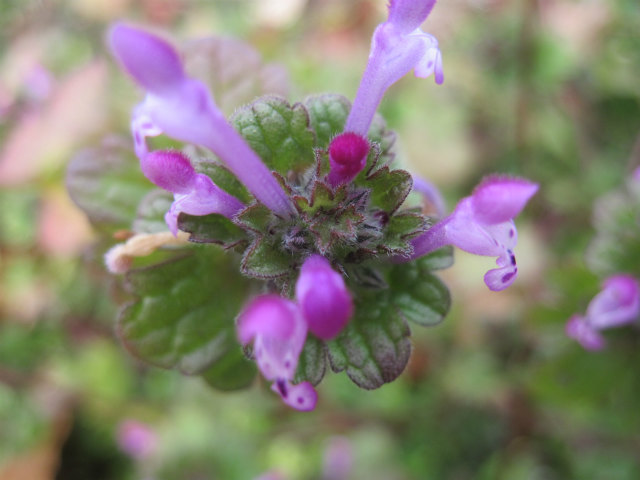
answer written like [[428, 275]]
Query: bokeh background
[[547, 89]]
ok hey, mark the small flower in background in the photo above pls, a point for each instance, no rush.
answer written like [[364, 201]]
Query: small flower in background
[[618, 303], [482, 224], [136, 439], [338, 459], [183, 108]]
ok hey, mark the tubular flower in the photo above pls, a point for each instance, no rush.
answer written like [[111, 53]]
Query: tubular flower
[[482, 224], [182, 108], [278, 331], [194, 193], [323, 297], [617, 303], [397, 47]]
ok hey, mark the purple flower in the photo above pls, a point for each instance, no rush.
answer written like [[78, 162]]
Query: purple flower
[[323, 298], [398, 46], [136, 439], [482, 224], [194, 193], [182, 108], [278, 331], [617, 304]]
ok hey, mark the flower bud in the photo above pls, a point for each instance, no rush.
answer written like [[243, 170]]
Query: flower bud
[[323, 298]]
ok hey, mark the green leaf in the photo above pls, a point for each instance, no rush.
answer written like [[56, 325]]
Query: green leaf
[[389, 188], [400, 229], [374, 347], [106, 182], [279, 133], [328, 113], [231, 372], [438, 260], [312, 363], [183, 311], [255, 217], [265, 259], [212, 228], [420, 296], [150, 215], [223, 178]]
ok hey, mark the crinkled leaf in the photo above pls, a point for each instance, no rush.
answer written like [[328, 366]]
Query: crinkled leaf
[[265, 259], [234, 71], [400, 229], [183, 311], [106, 182], [420, 296], [213, 228], [312, 363], [150, 215], [231, 372], [279, 133], [255, 217], [328, 114], [389, 188], [374, 347], [223, 178]]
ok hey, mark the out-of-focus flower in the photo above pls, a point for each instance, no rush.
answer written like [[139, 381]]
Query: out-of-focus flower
[[182, 108], [482, 224], [338, 459], [136, 439], [618, 303]]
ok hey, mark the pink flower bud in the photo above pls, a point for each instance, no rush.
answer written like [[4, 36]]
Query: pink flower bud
[[347, 157], [323, 298]]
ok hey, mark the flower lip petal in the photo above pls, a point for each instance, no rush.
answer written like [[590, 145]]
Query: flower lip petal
[[169, 170], [268, 315], [499, 199], [151, 61], [302, 396]]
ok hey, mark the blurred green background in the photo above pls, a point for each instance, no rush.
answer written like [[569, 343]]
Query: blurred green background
[[546, 89]]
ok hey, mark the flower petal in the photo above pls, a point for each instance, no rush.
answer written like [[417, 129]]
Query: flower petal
[[500, 199], [302, 396], [323, 298], [579, 329], [169, 170], [151, 61], [407, 15], [618, 302]]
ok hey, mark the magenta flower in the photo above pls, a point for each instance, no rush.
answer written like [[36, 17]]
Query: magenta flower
[[397, 47], [194, 193], [182, 108], [482, 224], [617, 303], [278, 331], [136, 439], [323, 298]]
